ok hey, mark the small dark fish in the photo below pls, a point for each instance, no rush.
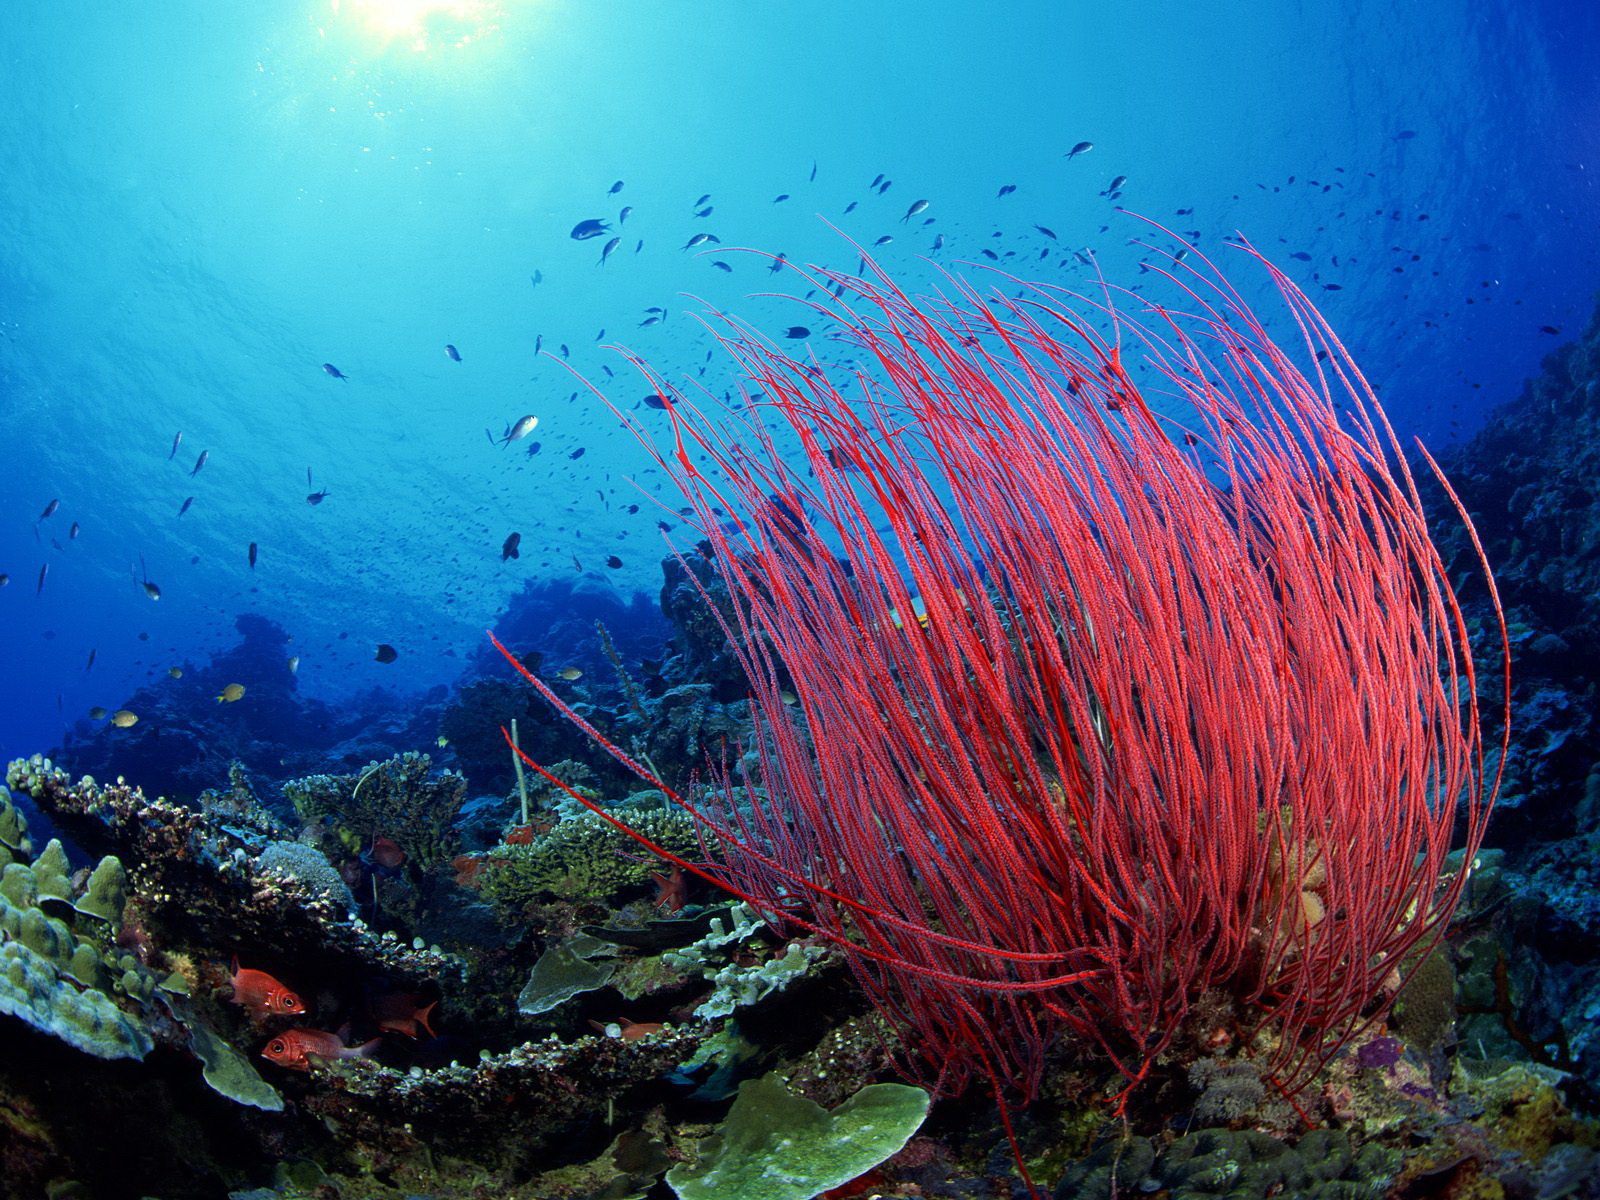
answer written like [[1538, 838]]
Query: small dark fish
[[1405, 135], [778, 264], [1117, 184], [622, 217], [252, 556], [89, 666], [702, 200], [797, 331], [884, 186], [1552, 330], [649, 321], [615, 188], [316, 498], [722, 266], [534, 448], [386, 653], [1301, 255], [4, 579], [609, 249], [577, 454], [1080, 148], [1006, 190], [176, 439], [49, 510], [536, 278], [199, 462], [779, 199], [335, 372], [509, 548], [883, 241], [613, 562], [938, 243], [850, 208], [704, 212], [43, 571], [919, 206], [455, 355], [700, 239], [1047, 231], [72, 534], [655, 401], [151, 590], [584, 230], [186, 505], [813, 178]]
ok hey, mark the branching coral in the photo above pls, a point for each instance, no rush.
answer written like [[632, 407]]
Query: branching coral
[[399, 799], [582, 858]]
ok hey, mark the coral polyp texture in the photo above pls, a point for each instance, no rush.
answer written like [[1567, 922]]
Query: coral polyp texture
[[1075, 714]]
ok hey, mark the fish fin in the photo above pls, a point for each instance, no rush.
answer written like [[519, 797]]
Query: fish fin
[[367, 1049], [422, 1018]]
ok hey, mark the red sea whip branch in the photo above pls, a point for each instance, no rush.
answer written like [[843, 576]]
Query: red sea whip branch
[[1192, 710]]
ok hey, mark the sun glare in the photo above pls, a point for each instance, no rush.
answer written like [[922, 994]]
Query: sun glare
[[421, 25]]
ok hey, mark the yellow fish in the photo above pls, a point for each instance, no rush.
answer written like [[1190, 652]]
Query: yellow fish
[[230, 693], [294, 664], [571, 674], [175, 672], [122, 718]]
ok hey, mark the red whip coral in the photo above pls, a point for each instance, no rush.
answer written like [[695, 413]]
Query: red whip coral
[[1099, 712]]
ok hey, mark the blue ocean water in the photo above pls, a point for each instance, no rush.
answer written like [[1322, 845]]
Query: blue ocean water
[[203, 205]]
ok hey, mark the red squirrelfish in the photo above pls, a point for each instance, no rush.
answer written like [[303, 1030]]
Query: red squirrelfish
[[261, 995], [293, 1048], [402, 1012]]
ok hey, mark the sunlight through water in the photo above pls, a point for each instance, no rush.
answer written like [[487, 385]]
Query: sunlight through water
[[420, 25]]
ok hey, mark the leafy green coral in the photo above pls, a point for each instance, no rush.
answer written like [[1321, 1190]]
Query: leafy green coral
[[563, 972], [399, 799], [230, 1073], [583, 858], [775, 1145]]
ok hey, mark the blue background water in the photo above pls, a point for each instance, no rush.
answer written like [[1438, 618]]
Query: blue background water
[[202, 203]]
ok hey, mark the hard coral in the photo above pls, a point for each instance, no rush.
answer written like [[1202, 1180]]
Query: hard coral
[[582, 858], [399, 799]]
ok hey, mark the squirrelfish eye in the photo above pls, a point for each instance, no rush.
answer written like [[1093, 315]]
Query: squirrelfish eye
[[290, 1000], [277, 1046]]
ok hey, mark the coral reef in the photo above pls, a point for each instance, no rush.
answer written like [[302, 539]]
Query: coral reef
[[583, 858], [185, 740], [400, 799]]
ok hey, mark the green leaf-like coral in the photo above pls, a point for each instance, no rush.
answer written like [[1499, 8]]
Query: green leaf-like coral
[[775, 1145]]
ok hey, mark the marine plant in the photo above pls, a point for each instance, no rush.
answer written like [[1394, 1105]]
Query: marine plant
[[1095, 712]]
